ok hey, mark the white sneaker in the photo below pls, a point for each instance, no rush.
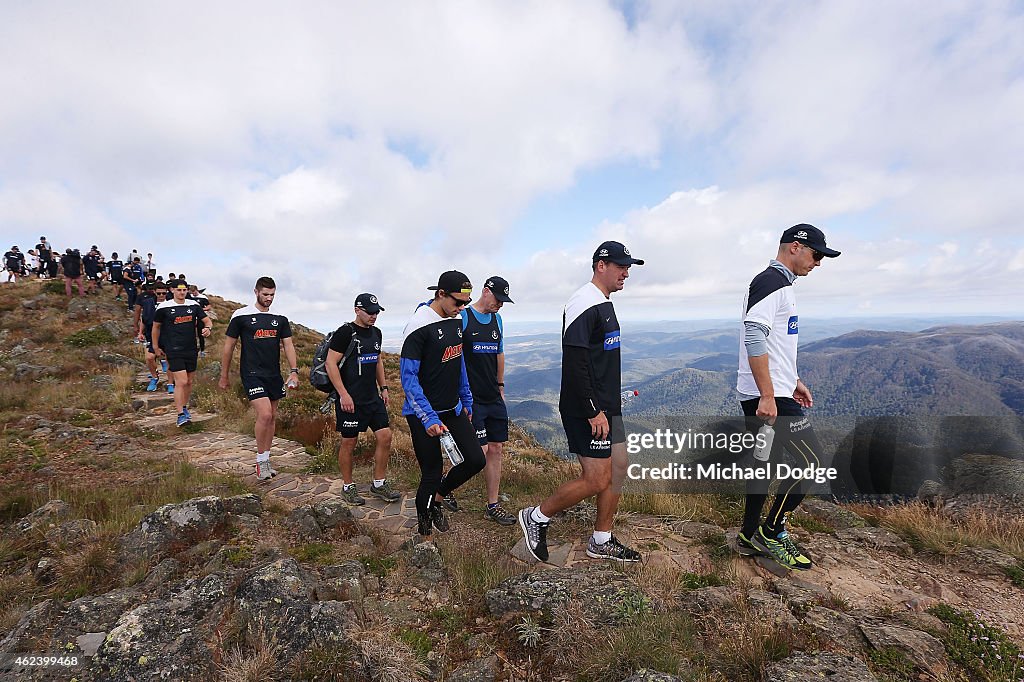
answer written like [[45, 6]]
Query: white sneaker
[[263, 471]]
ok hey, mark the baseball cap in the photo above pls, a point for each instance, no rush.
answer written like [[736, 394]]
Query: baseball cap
[[177, 284], [368, 303], [810, 236], [452, 281], [498, 287], [617, 253]]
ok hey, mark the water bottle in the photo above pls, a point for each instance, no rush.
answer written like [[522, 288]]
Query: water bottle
[[766, 434], [627, 396], [450, 449]]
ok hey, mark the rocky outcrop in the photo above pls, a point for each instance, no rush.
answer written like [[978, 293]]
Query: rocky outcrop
[[802, 667], [311, 521], [605, 591], [187, 521]]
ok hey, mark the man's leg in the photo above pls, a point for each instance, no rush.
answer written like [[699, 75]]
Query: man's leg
[[67, 286], [180, 378], [345, 450], [596, 476], [264, 409], [187, 388], [382, 453], [78, 280], [492, 470]]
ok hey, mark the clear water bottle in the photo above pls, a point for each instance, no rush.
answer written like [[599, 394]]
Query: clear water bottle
[[628, 396], [450, 449], [766, 434]]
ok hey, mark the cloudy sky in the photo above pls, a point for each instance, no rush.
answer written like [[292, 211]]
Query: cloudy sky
[[343, 147]]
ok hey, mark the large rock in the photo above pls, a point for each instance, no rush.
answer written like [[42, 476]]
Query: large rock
[[166, 639], [877, 538], [985, 475], [923, 650], [310, 521], [70, 532], [834, 626], [803, 667], [830, 514], [481, 670], [44, 518], [183, 522], [86, 308], [609, 595], [652, 676], [119, 360]]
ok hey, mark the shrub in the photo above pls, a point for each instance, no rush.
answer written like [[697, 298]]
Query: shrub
[[93, 336]]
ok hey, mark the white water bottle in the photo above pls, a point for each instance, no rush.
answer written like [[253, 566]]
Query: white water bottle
[[627, 396], [763, 448], [450, 449]]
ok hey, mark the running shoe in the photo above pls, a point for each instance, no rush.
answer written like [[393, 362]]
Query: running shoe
[[498, 514], [424, 525], [773, 549], [744, 547], [263, 471], [350, 493], [183, 419], [613, 550], [438, 518], [153, 381], [187, 413], [801, 561], [385, 492], [170, 389], [536, 534], [449, 502]]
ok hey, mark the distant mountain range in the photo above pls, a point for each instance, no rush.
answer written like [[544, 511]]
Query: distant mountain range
[[947, 370]]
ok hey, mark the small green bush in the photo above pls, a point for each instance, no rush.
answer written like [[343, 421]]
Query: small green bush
[[94, 336], [983, 650]]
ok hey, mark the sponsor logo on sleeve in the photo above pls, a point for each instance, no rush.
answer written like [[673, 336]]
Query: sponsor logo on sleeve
[[793, 327], [611, 340]]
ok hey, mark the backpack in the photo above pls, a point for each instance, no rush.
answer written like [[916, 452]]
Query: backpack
[[318, 373]]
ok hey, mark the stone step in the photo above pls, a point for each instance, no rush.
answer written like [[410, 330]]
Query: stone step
[[148, 401]]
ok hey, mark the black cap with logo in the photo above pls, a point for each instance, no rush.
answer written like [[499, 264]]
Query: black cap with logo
[[498, 287], [368, 303], [810, 236], [615, 252], [453, 281]]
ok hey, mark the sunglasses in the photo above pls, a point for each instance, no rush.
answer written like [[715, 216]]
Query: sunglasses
[[461, 302], [815, 254]]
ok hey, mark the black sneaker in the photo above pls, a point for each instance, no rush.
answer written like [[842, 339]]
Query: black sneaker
[[498, 514], [448, 502], [425, 527], [744, 547], [613, 550], [385, 492], [439, 519], [536, 534]]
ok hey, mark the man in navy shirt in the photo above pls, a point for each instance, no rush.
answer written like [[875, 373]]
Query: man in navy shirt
[[174, 335], [263, 334], [484, 353], [590, 405], [438, 398]]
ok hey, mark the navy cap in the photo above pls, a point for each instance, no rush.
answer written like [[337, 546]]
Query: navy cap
[[453, 281], [810, 236], [498, 287], [368, 303], [615, 252]]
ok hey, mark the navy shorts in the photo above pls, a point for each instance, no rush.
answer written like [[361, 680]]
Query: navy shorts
[[263, 387], [581, 438], [181, 363], [491, 422], [372, 415]]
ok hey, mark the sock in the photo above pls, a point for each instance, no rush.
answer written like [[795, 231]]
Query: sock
[[539, 517], [263, 456], [602, 536], [349, 486], [378, 482]]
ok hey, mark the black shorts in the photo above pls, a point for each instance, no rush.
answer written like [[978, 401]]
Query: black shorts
[[491, 422], [264, 387], [350, 424], [180, 363], [581, 439]]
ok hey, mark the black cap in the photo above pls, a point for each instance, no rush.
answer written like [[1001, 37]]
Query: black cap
[[368, 303], [453, 281], [615, 252], [498, 287], [809, 235], [14, 248]]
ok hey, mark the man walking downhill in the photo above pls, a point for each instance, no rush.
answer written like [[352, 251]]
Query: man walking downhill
[[590, 405], [174, 335], [770, 387], [483, 341], [145, 312], [361, 396], [262, 334], [437, 397]]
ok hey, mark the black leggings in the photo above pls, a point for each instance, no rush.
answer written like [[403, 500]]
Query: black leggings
[[428, 454], [794, 434]]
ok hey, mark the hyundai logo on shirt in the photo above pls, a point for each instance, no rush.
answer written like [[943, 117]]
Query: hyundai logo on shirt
[[794, 328], [368, 358], [481, 347], [611, 340]]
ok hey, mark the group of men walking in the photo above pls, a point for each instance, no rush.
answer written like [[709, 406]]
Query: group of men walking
[[452, 369]]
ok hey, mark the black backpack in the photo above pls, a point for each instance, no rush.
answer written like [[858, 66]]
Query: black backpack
[[318, 374]]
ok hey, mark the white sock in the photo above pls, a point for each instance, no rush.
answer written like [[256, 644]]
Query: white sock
[[378, 482], [602, 536], [348, 486], [263, 456], [539, 517]]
